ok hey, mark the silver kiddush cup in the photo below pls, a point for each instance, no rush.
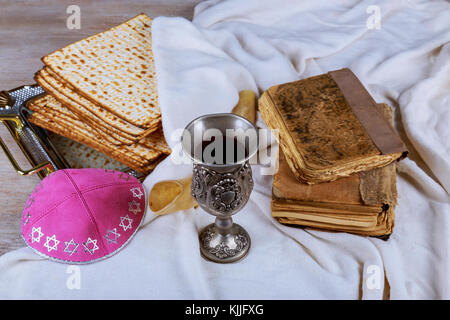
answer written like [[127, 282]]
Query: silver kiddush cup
[[221, 145]]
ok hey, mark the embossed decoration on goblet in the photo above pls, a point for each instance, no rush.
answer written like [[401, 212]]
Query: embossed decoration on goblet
[[222, 190], [222, 195], [223, 250]]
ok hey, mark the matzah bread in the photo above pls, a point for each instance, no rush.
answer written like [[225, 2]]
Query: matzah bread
[[40, 106], [156, 141], [98, 114], [81, 156], [68, 115], [75, 132], [49, 124], [114, 69], [144, 168], [61, 109], [64, 93]]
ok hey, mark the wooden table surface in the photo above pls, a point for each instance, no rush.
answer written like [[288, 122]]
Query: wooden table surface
[[29, 30]]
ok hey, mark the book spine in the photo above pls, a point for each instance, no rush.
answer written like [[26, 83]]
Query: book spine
[[364, 107]]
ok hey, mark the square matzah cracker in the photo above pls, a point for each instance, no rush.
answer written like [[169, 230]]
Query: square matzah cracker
[[114, 69], [117, 154], [73, 128], [62, 108], [67, 95]]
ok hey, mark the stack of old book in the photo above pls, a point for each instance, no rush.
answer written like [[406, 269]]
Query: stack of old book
[[101, 92], [337, 164]]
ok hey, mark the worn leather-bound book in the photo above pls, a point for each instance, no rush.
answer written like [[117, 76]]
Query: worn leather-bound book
[[362, 203], [329, 127]]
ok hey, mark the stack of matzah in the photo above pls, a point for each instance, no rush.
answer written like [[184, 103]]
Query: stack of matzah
[[101, 92]]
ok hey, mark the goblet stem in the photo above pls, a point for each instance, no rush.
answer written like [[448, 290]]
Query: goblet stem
[[224, 224]]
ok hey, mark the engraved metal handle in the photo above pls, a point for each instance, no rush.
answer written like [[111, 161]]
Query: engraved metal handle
[[16, 135], [8, 113]]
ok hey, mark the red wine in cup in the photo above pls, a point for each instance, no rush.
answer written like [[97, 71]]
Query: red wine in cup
[[230, 151]]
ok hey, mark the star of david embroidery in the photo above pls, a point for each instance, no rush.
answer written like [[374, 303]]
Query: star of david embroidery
[[114, 237], [68, 249], [55, 243], [26, 218], [137, 193], [87, 243], [134, 207], [38, 238], [125, 225]]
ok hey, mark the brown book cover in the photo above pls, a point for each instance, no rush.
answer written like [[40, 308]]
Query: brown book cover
[[329, 127], [362, 203]]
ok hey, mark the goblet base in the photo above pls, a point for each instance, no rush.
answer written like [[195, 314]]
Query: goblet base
[[224, 245]]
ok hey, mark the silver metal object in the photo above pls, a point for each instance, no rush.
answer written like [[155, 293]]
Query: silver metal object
[[221, 189], [35, 142], [32, 144]]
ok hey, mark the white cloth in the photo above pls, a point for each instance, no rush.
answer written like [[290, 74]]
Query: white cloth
[[235, 45]]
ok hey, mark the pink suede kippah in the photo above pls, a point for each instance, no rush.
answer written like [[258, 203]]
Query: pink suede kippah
[[83, 215]]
